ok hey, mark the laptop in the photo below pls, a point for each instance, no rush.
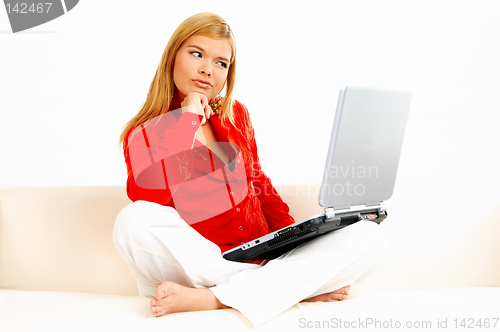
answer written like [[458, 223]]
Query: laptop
[[359, 175]]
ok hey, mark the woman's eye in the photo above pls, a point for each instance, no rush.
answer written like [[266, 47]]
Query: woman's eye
[[223, 64], [196, 54]]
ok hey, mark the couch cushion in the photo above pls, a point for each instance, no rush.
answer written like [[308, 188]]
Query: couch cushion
[[60, 239], [53, 311]]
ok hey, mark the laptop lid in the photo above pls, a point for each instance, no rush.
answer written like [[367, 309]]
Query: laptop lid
[[365, 147]]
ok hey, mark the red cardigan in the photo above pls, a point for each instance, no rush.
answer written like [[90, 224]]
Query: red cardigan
[[227, 204]]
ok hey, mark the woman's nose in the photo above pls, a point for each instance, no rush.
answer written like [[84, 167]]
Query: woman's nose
[[205, 70]]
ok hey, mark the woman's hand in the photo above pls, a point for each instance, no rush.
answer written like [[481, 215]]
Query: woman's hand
[[197, 103]]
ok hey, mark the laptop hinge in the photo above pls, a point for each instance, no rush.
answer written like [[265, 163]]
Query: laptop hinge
[[375, 204], [330, 211]]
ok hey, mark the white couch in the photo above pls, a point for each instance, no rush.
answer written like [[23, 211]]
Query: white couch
[[59, 270]]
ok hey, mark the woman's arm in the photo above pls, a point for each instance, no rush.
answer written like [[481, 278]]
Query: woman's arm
[[158, 151], [162, 148], [275, 210]]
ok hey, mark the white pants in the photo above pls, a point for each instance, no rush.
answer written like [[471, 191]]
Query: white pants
[[158, 245]]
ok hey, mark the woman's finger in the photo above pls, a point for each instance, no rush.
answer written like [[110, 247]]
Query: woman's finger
[[207, 110]]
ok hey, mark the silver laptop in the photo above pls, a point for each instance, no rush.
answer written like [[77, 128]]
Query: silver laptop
[[359, 175]]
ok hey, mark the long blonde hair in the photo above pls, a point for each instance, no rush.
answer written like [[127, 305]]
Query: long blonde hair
[[162, 88]]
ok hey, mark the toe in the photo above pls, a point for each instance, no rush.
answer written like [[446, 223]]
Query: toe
[[164, 289], [153, 310], [344, 290], [157, 310], [338, 297], [160, 291]]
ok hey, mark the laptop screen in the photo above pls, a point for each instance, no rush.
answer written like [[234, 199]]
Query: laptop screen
[[365, 147]]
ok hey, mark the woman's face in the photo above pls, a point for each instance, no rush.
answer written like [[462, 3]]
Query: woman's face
[[201, 65]]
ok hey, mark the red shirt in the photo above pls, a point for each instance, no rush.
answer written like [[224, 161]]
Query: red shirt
[[227, 204]]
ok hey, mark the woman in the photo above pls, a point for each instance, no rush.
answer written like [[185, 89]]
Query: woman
[[198, 189]]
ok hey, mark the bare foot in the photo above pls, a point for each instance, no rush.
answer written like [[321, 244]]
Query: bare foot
[[171, 297], [338, 295]]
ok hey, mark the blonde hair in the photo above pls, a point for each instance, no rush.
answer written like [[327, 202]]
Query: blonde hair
[[162, 88]]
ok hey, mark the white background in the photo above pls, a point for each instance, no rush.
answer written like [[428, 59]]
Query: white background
[[67, 87]]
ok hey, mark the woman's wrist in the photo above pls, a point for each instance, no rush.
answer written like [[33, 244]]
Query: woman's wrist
[[193, 109]]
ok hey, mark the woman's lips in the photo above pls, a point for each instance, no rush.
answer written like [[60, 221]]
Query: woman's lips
[[202, 84]]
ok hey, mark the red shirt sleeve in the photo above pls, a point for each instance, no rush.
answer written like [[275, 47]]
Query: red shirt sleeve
[[275, 210], [148, 147]]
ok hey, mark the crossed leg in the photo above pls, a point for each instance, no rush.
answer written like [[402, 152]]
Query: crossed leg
[[178, 278]]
